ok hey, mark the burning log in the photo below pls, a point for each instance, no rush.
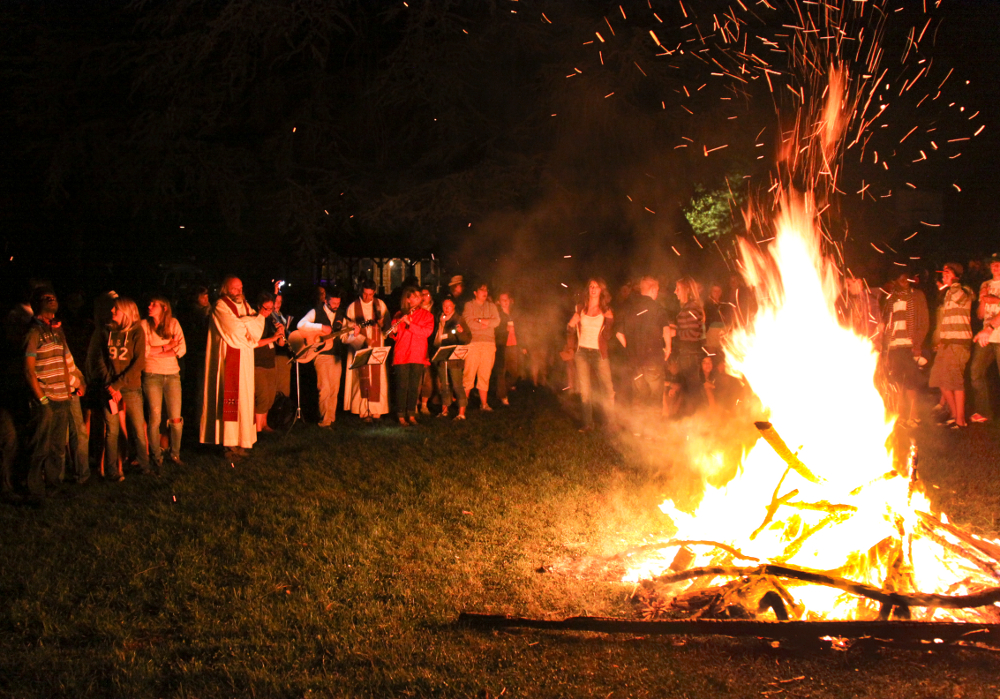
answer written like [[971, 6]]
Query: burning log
[[979, 599], [929, 631], [772, 437]]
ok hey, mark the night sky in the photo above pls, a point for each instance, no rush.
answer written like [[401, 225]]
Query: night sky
[[257, 135]]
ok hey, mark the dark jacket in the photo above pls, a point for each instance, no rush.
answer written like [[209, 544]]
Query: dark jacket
[[115, 358]]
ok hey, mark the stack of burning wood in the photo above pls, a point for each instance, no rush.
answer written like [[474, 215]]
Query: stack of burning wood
[[737, 586]]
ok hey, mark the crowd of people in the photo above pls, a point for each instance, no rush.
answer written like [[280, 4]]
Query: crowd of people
[[84, 395]]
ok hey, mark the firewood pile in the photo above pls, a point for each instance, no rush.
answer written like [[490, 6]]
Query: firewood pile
[[736, 586]]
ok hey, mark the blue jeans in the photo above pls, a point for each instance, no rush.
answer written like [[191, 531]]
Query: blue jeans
[[78, 441], [49, 433], [588, 360], [160, 389], [407, 387], [132, 398]]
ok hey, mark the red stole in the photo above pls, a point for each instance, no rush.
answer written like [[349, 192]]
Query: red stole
[[370, 376], [231, 378]]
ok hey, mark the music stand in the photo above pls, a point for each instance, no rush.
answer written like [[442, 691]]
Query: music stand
[[372, 356], [298, 399], [446, 354]]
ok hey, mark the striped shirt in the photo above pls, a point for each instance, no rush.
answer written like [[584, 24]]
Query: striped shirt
[[690, 323], [898, 335], [954, 320], [53, 360], [991, 288]]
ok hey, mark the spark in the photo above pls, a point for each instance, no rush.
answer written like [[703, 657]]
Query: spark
[[910, 236], [675, 251], [649, 210], [956, 186]]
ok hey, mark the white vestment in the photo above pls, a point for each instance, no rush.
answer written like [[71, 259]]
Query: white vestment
[[241, 330], [353, 399]]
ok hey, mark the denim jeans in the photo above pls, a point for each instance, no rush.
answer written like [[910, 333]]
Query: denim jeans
[[982, 357], [8, 451], [407, 387], [132, 399], [49, 430], [160, 389], [588, 360], [78, 441], [450, 383]]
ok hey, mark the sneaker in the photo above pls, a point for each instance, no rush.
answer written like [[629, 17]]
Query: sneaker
[[324, 424], [460, 417], [413, 419], [955, 426], [403, 422], [115, 477], [176, 460], [505, 402], [443, 413], [487, 408], [976, 417], [424, 410]]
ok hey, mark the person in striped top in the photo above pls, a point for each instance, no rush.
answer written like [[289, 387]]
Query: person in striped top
[[48, 367], [952, 342], [986, 348], [905, 331]]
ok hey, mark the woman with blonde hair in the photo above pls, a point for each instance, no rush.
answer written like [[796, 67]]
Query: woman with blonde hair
[[161, 377], [592, 321], [689, 329], [116, 358]]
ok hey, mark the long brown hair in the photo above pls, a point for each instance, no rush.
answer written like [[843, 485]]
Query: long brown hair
[[163, 327], [693, 289], [604, 300]]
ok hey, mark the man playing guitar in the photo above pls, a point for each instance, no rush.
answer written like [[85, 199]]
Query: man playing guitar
[[325, 321]]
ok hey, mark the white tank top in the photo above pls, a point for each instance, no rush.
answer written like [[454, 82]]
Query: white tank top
[[590, 331]]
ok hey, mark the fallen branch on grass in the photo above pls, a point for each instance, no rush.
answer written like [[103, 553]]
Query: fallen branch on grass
[[796, 630]]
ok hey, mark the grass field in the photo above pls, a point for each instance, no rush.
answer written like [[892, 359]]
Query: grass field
[[334, 563]]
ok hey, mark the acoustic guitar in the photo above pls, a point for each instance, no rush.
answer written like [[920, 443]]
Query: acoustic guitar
[[306, 344]]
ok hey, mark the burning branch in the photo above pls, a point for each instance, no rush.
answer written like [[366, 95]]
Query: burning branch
[[980, 599], [772, 437]]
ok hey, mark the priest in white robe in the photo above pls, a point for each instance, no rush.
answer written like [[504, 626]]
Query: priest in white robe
[[227, 415], [366, 390]]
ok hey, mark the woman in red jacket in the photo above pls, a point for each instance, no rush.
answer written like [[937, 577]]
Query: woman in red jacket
[[411, 326]]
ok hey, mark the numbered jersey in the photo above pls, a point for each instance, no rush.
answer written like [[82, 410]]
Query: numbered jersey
[[117, 357]]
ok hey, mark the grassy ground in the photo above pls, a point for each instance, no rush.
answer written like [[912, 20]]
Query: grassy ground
[[334, 563]]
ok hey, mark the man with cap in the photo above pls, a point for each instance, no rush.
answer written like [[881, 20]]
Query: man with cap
[[952, 342], [456, 291], [986, 345]]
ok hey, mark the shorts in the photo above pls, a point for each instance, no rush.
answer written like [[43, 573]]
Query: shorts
[[948, 371]]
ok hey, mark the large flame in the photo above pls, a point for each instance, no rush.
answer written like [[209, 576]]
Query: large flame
[[815, 380]]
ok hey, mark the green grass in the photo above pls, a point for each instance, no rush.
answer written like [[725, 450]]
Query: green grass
[[334, 563]]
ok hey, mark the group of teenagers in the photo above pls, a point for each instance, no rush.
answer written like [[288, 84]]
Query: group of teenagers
[[945, 344]]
